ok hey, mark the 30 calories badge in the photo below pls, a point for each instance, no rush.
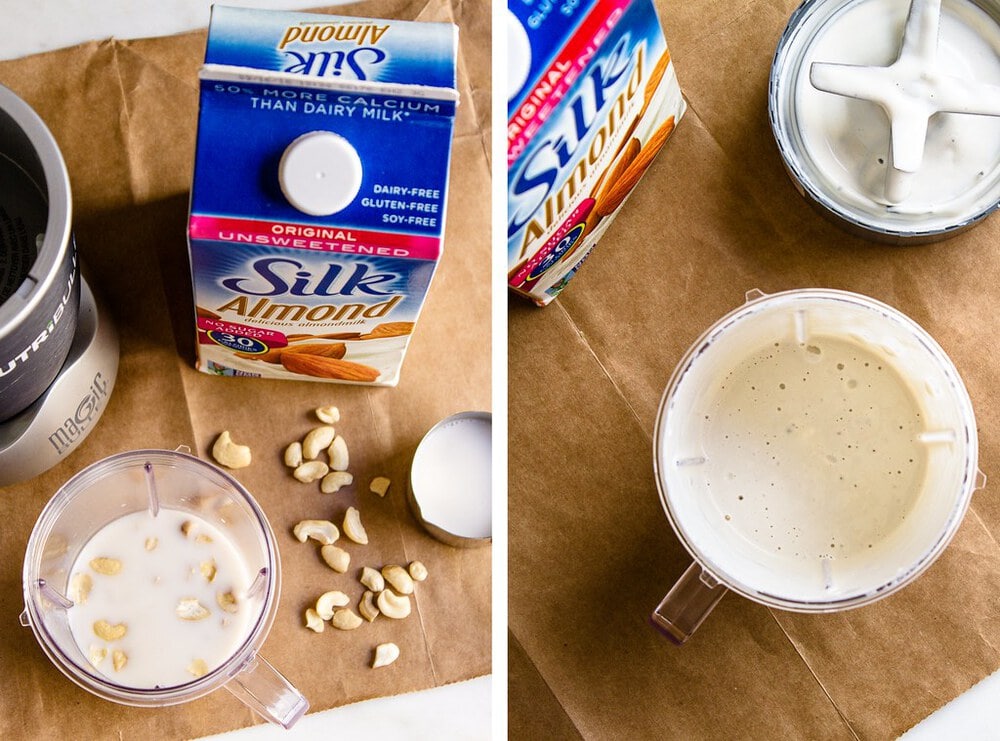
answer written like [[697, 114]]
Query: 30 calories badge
[[239, 337], [561, 244]]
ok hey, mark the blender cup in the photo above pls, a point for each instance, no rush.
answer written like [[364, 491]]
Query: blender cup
[[815, 450], [158, 483]]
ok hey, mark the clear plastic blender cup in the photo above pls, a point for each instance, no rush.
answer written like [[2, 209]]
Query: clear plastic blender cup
[[153, 481], [815, 450]]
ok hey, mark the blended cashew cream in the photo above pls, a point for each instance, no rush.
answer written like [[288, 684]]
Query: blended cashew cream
[[814, 449], [845, 141], [162, 649]]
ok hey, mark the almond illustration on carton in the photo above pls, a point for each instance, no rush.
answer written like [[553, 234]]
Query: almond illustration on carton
[[654, 80], [204, 313], [325, 367], [322, 349], [615, 191], [327, 336], [629, 149], [626, 157], [389, 329]]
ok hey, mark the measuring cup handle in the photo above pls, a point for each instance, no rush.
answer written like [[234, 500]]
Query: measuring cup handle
[[687, 604], [262, 688]]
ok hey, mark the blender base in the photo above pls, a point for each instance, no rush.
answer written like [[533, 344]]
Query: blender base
[[37, 438]]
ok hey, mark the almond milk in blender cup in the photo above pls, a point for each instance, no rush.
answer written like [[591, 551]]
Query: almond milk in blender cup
[[152, 578]]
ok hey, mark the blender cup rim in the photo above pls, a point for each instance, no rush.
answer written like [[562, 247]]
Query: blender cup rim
[[948, 529], [99, 684]]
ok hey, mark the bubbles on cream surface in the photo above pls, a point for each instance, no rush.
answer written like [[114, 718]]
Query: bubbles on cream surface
[[845, 141], [815, 449], [812, 449], [178, 586]]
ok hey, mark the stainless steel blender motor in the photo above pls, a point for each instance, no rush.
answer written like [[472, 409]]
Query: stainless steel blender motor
[[58, 348]]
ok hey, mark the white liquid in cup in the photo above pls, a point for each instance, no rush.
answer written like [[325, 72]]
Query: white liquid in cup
[[132, 509], [816, 450], [450, 477], [160, 567]]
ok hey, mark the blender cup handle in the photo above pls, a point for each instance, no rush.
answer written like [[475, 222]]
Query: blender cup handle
[[262, 688], [687, 604]]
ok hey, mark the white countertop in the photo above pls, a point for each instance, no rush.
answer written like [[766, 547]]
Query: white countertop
[[458, 711]]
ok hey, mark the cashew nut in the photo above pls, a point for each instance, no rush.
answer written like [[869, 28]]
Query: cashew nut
[[107, 631], [336, 558], [398, 579], [227, 601], [329, 415], [197, 668], [118, 659], [385, 654], [97, 654], [314, 622], [328, 601], [332, 482], [379, 485], [208, 570], [229, 454], [190, 608], [322, 531], [418, 572], [106, 566], [392, 605], [372, 579], [311, 471], [344, 618], [293, 455], [353, 528], [189, 528], [316, 441], [339, 457], [367, 606], [79, 588]]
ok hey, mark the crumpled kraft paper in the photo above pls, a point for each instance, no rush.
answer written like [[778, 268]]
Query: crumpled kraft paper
[[591, 550], [124, 114]]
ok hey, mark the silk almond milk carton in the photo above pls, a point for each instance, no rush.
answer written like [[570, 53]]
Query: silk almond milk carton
[[317, 208], [592, 97]]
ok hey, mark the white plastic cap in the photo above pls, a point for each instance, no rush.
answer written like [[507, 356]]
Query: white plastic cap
[[518, 55], [320, 173]]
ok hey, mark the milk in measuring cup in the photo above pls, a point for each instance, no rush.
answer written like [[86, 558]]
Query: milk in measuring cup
[[318, 204]]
